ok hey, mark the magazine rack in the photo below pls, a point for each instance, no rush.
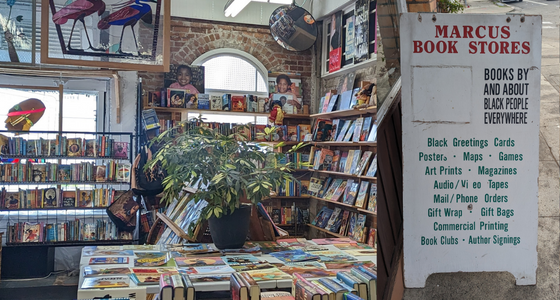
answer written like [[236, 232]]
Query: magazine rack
[[57, 185]]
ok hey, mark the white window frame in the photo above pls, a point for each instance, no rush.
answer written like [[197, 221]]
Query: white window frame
[[325, 45], [261, 69]]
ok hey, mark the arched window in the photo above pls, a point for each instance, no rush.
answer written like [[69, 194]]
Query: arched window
[[233, 71]]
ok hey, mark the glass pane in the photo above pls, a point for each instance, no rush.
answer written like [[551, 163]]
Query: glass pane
[[49, 120], [80, 111], [232, 73]]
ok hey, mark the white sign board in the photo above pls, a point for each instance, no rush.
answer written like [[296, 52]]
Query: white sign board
[[470, 105]]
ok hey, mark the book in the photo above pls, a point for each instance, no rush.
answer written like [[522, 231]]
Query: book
[[69, 199], [178, 287], [372, 137], [226, 102], [304, 130], [268, 274], [146, 276], [326, 185], [349, 133], [252, 103], [165, 287], [352, 193], [293, 256], [332, 103], [246, 262], [334, 221], [345, 99], [347, 124], [365, 129], [91, 149], [123, 172], [355, 161], [191, 100], [349, 279], [100, 173], [189, 288], [50, 198], [209, 278], [358, 129], [362, 194], [84, 198], [372, 167], [176, 98], [32, 232], [64, 173], [277, 295], [120, 149], [199, 261], [239, 290], [363, 163], [372, 201], [103, 282], [215, 102], [330, 256], [74, 147], [237, 103], [332, 189], [344, 223], [150, 259], [307, 271], [92, 271], [108, 260], [263, 104], [203, 101], [39, 172], [372, 237], [359, 232], [352, 223]]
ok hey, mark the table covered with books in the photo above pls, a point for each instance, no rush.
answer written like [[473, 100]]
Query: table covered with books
[[156, 271]]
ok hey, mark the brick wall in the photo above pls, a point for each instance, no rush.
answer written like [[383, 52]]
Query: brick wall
[[421, 5], [191, 38]]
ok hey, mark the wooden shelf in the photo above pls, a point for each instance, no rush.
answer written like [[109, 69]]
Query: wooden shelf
[[221, 112], [53, 208], [329, 232], [288, 197], [345, 205], [73, 243], [346, 113], [59, 182], [295, 116], [342, 174], [334, 143], [369, 212]]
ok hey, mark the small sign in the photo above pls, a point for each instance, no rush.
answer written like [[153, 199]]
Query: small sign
[[471, 104]]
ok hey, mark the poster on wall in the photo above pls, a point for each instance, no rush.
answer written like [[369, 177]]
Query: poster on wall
[[16, 23], [470, 137], [349, 43], [106, 33], [335, 42], [287, 88], [361, 31]]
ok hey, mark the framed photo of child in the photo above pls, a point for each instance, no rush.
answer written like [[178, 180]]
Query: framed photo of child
[[290, 86], [185, 77]]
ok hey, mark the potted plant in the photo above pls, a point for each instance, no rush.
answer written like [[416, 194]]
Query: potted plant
[[231, 174]]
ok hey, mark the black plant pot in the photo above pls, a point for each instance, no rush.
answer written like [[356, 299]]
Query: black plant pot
[[230, 231]]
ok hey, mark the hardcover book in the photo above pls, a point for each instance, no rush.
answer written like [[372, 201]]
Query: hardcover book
[[361, 199], [278, 295], [108, 260], [199, 261], [358, 129], [123, 172], [215, 102], [252, 103], [226, 102], [352, 223], [105, 282], [74, 147], [365, 129], [191, 100], [120, 149], [347, 124], [69, 199], [322, 217], [372, 202], [64, 173], [294, 256], [50, 198], [32, 232], [209, 278], [150, 259], [175, 98], [344, 223], [39, 172], [334, 221], [237, 103], [268, 274], [91, 148], [100, 173]]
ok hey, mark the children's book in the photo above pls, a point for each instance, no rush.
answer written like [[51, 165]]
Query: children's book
[[345, 99], [102, 282], [74, 147], [307, 272], [349, 159], [361, 199], [365, 129], [108, 260], [332, 189], [150, 259], [363, 163], [268, 274], [93, 271], [91, 149], [372, 167], [100, 173], [191, 100], [344, 223], [32, 232], [355, 161], [352, 223], [237, 103], [372, 202], [209, 278], [246, 262], [325, 187], [203, 101], [358, 129], [372, 240], [199, 261], [39, 172], [226, 102], [329, 256], [123, 172], [323, 215], [339, 191], [332, 103], [315, 185], [50, 198], [294, 256], [347, 124], [352, 193], [175, 98], [334, 221], [84, 198], [304, 129], [354, 99], [64, 173], [120, 149], [215, 102], [335, 161], [349, 133], [252, 103], [372, 137], [359, 232], [263, 104], [69, 199]]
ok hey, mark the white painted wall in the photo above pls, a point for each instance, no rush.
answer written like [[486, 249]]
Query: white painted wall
[[255, 13], [324, 8]]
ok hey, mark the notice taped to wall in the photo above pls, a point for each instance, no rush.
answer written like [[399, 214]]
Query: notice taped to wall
[[470, 104]]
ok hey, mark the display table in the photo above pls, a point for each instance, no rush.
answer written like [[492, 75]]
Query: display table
[[141, 292]]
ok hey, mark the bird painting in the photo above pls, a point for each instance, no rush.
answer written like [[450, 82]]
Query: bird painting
[[77, 11], [128, 16]]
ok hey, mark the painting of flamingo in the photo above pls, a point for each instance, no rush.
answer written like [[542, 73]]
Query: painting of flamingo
[[116, 29], [77, 11]]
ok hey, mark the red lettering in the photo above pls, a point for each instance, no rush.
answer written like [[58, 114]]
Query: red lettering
[[417, 46], [493, 47], [504, 48], [441, 31], [477, 32], [451, 45], [505, 32], [491, 31], [482, 44], [430, 45], [467, 32], [472, 47], [514, 47], [441, 47], [526, 47], [455, 32]]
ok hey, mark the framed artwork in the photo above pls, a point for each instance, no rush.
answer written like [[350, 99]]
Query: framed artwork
[[116, 34], [17, 23], [289, 85]]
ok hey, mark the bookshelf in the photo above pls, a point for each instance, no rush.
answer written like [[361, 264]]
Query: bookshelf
[[56, 186]]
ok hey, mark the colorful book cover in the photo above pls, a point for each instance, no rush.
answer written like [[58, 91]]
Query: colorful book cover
[[31, 232], [225, 269], [322, 222], [215, 102], [85, 198], [344, 223], [268, 247], [330, 256], [347, 124], [339, 191], [39, 172], [50, 198], [150, 259], [263, 105], [89, 271], [325, 187], [319, 219], [372, 202], [191, 100], [108, 260], [246, 262], [175, 98], [365, 129], [294, 256], [120, 149], [372, 137], [359, 232], [199, 261], [123, 172], [277, 295], [332, 103], [348, 164], [226, 102], [337, 212], [352, 193], [268, 274], [252, 103], [362, 194], [325, 159], [372, 238], [355, 161], [146, 278], [91, 150], [332, 189], [237, 103], [102, 252], [361, 252], [64, 173], [209, 278], [352, 223], [304, 130], [372, 167], [358, 129], [345, 99], [363, 163], [345, 265], [292, 133], [74, 147], [349, 133], [105, 282], [100, 173]]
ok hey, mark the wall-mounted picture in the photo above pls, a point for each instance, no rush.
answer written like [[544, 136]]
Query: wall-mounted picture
[[289, 85], [16, 23], [335, 42], [361, 31], [128, 34], [185, 77]]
